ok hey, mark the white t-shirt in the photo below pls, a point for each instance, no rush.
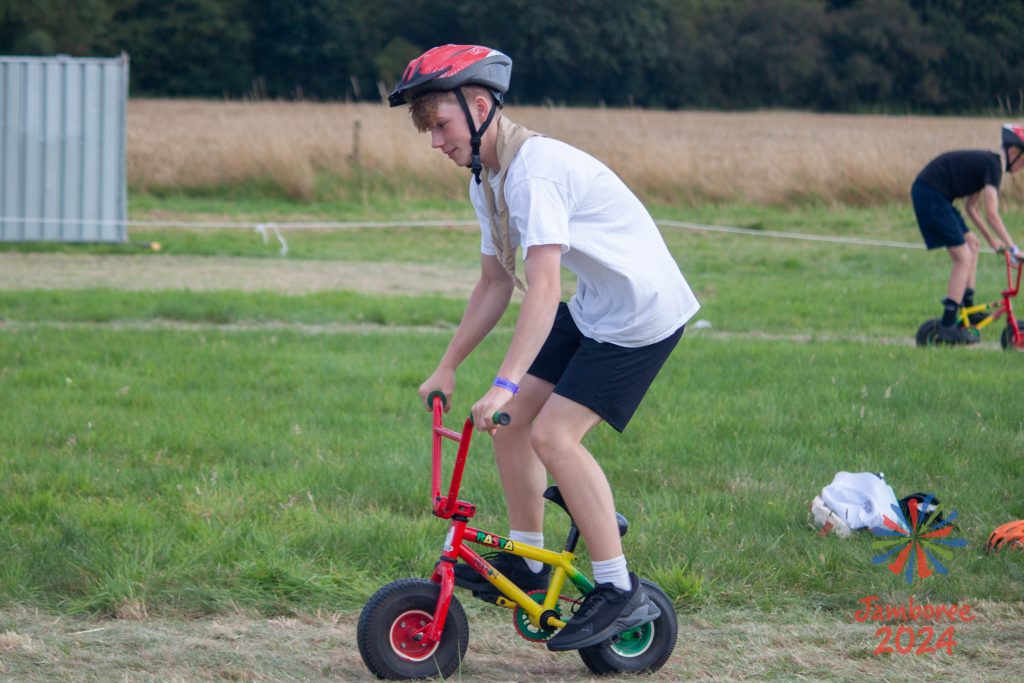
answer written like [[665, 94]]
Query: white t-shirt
[[629, 289]]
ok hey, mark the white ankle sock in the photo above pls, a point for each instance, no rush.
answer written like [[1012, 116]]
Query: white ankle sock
[[612, 571], [531, 538]]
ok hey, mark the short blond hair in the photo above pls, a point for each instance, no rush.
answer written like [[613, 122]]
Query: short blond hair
[[423, 110]]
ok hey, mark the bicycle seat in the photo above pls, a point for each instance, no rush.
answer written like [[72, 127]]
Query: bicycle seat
[[555, 496]]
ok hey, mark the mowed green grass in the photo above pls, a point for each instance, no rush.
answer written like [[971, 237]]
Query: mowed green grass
[[197, 470]]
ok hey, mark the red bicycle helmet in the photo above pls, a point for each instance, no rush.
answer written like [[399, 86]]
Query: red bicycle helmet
[[446, 67], [1009, 535], [1013, 136]]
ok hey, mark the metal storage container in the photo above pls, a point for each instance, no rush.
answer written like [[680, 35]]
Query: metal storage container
[[62, 149]]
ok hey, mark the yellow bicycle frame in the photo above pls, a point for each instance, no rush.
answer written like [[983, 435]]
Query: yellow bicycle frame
[[513, 596]]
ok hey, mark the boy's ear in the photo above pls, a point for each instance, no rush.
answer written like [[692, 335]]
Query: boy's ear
[[483, 106]]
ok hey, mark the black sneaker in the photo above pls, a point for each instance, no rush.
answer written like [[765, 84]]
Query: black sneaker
[[512, 567], [606, 612], [957, 335]]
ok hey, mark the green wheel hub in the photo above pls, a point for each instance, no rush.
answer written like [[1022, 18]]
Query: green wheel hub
[[635, 641]]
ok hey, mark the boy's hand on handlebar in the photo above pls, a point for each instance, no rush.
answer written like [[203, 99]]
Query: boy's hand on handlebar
[[1016, 255], [484, 410], [442, 381]]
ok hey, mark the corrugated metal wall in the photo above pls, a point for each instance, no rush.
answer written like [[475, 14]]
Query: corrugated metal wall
[[62, 149]]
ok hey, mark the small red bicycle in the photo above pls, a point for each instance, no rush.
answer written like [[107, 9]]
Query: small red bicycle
[[977, 318], [416, 628]]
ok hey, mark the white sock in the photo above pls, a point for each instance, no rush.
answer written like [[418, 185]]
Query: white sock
[[535, 538], [613, 571]]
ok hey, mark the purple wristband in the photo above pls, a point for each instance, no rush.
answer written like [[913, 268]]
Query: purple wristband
[[506, 384]]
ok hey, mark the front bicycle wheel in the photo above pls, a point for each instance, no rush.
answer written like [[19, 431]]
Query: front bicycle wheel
[[643, 649], [1006, 339], [928, 333], [390, 623]]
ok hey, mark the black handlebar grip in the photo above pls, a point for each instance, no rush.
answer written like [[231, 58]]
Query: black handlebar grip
[[432, 394], [499, 418]]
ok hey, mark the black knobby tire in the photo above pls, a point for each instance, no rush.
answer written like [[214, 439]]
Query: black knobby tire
[[928, 334], [398, 608], [1006, 339], [644, 649]]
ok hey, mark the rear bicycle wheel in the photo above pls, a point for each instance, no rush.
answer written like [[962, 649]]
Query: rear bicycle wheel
[[643, 649], [389, 625]]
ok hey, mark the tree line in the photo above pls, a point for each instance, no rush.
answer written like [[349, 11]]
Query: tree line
[[926, 56]]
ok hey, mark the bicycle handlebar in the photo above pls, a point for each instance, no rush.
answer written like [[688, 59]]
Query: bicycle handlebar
[[446, 506], [499, 418]]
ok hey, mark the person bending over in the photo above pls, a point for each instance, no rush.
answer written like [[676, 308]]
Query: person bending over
[[569, 365], [974, 175]]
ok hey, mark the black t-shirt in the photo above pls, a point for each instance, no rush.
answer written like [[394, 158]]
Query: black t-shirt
[[959, 174]]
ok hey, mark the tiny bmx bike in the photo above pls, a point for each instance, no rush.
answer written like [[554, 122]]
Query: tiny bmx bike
[[416, 628], [976, 318]]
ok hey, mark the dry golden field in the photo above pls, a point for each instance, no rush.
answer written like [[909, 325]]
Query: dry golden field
[[685, 157]]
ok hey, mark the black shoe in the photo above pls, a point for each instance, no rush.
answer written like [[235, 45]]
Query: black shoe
[[957, 335], [512, 567], [606, 612]]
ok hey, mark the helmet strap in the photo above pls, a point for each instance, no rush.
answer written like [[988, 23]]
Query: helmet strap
[[1011, 162], [475, 136]]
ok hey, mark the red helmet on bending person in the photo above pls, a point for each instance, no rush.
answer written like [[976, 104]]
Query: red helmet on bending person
[[1013, 137], [448, 66]]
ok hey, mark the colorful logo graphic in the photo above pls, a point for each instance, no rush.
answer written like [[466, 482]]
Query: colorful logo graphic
[[914, 546]]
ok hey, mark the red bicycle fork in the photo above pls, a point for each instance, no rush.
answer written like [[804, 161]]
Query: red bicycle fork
[[444, 572]]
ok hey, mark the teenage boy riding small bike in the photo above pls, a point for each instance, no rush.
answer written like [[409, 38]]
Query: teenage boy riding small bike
[[569, 366], [974, 175]]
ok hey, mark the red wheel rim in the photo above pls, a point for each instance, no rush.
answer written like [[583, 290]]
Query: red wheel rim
[[404, 630]]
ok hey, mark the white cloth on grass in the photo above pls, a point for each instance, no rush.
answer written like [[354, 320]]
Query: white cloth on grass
[[861, 499]]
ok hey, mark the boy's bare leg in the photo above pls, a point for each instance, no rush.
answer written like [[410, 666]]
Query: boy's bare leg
[[556, 437], [523, 476], [974, 246], [965, 263]]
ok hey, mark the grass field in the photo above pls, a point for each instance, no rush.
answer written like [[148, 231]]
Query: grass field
[[179, 458], [153, 471]]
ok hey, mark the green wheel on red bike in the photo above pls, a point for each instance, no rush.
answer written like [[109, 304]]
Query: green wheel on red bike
[[389, 625], [643, 649], [1006, 339]]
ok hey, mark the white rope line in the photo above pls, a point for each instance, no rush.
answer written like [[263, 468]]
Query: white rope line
[[349, 225], [791, 235]]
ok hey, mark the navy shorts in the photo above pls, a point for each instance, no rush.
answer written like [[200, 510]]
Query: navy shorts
[[611, 380], [940, 223]]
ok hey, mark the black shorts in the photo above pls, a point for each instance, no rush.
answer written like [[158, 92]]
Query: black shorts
[[940, 223], [611, 380]]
